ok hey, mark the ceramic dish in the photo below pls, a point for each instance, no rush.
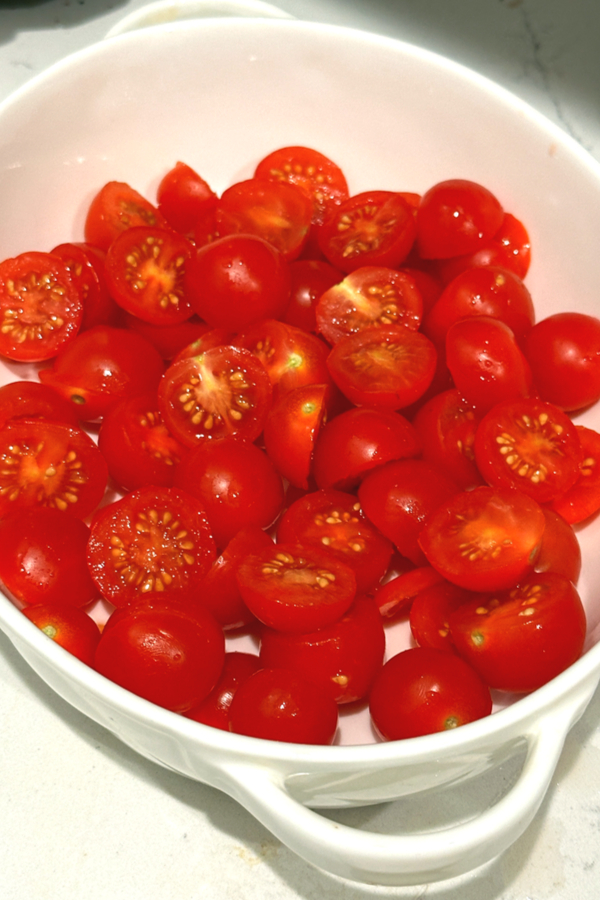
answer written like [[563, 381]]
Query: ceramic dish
[[221, 94]]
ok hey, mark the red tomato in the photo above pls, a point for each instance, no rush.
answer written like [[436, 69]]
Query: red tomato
[[529, 445], [445, 426], [368, 297], [309, 279], [486, 363], [456, 217], [137, 445], [430, 614], [318, 176], [169, 657], [295, 587], [279, 705], [154, 539], [50, 464], [423, 691], [43, 557], [520, 639], [582, 499], [214, 709], [484, 539], [399, 496], [291, 430], [145, 272], [41, 310], [235, 482], [358, 440], [560, 551], [388, 368], [67, 626], [100, 367], [223, 392], [237, 280], [116, 207], [484, 291], [85, 264], [334, 520], [564, 354], [394, 597], [169, 340], [182, 197], [32, 400], [428, 285], [510, 248], [277, 211], [374, 228], [342, 658]]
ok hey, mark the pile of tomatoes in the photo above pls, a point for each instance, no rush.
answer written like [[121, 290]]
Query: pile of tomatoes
[[300, 414]]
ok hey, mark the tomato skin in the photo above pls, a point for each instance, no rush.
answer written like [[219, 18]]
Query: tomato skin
[[430, 614], [67, 626], [309, 279], [424, 691], [41, 310], [43, 557], [358, 440], [237, 280], [446, 426], [485, 538], [529, 445], [373, 228], [560, 551], [169, 340], [386, 368], [343, 658], [32, 400], [455, 217], [116, 207], [521, 639], [510, 248], [279, 705], [236, 483], [582, 499], [394, 597], [399, 496], [182, 196], [564, 354], [214, 709], [291, 430], [100, 367], [165, 656]]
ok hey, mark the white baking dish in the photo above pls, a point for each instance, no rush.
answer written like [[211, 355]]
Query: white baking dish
[[220, 94]]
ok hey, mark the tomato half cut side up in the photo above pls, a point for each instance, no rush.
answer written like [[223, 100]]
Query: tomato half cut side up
[[296, 587], [223, 392], [484, 539], [40, 308], [116, 207]]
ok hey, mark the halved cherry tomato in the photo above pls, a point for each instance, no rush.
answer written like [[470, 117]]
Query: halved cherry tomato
[[529, 445], [374, 228], [560, 551], [456, 217], [446, 427], [309, 279], [32, 400], [50, 464], [296, 587], [510, 248], [41, 309], [214, 709], [395, 597], [182, 197], [169, 340], [430, 614], [86, 268], [292, 429], [69, 627], [116, 207], [153, 539], [145, 271], [520, 639], [223, 392], [484, 539], [582, 499]]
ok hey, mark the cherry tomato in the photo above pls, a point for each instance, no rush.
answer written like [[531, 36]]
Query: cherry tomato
[[145, 272], [169, 340], [529, 445], [395, 597], [343, 658], [85, 264], [291, 430], [374, 228], [100, 367], [358, 440], [334, 520], [67, 626], [484, 539], [41, 310], [309, 279], [510, 248], [236, 483], [368, 297], [520, 639], [582, 499], [214, 709], [446, 427], [430, 614], [279, 705], [32, 400], [50, 464], [182, 197], [116, 207], [424, 691], [456, 217], [564, 354], [388, 368], [153, 539], [296, 587], [225, 391], [237, 280], [43, 557], [169, 657], [560, 551]]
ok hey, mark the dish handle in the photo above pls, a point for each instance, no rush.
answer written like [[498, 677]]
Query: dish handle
[[164, 11], [373, 858]]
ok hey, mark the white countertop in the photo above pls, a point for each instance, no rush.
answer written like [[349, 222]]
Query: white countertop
[[82, 816]]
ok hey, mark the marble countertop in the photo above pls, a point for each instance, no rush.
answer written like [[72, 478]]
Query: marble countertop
[[81, 815]]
